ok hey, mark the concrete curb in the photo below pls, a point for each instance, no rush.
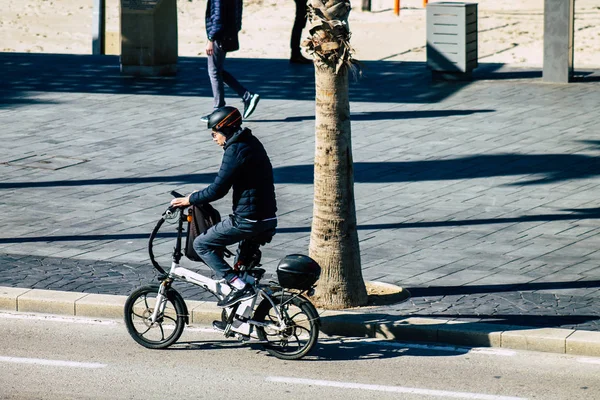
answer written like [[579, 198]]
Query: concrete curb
[[338, 323]]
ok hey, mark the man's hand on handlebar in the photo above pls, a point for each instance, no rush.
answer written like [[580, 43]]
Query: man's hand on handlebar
[[181, 201]]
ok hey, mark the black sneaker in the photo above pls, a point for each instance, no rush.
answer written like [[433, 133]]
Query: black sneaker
[[250, 104], [205, 118], [235, 296], [219, 325]]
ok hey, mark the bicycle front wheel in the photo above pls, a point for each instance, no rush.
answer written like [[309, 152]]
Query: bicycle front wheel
[[168, 326], [301, 326]]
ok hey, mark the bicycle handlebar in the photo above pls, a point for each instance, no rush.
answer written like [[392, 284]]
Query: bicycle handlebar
[[171, 209]]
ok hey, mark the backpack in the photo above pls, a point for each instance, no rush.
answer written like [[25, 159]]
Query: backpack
[[200, 218]]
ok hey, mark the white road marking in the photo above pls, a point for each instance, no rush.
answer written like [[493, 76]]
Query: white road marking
[[589, 360], [51, 363], [394, 389], [55, 318]]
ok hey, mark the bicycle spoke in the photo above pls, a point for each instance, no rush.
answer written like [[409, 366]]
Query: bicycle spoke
[[146, 331], [297, 339], [298, 313], [302, 327], [139, 316]]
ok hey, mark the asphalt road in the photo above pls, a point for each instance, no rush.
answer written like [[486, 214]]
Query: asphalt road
[[50, 357]]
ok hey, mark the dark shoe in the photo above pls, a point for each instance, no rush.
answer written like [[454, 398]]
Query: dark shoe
[[235, 296], [250, 104], [205, 118], [300, 59], [219, 325]]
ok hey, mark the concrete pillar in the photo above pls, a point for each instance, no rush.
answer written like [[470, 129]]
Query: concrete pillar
[[148, 37], [112, 33], [559, 21]]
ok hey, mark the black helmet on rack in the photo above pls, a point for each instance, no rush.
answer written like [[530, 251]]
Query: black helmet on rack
[[226, 120]]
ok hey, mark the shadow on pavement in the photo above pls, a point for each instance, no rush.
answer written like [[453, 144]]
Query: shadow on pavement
[[584, 214], [517, 321], [516, 287], [385, 115], [331, 350], [381, 81], [327, 350], [550, 168], [576, 214], [478, 327]]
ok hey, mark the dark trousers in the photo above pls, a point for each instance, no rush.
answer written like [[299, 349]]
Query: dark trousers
[[218, 76], [299, 24], [227, 232]]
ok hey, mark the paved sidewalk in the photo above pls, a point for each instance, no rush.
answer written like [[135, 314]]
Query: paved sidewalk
[[481, 198]]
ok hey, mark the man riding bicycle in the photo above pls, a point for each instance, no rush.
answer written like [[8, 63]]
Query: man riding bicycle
[[245, 167]]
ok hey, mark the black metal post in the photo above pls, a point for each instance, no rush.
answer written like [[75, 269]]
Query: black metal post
[[99, 27]]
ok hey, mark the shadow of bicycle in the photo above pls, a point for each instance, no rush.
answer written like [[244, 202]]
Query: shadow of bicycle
[[336, 349]]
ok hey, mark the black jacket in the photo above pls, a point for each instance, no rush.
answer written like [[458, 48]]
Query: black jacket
[[223, 18], [245, 167]]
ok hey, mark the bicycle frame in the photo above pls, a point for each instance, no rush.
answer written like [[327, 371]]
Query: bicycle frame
[[219, 287]]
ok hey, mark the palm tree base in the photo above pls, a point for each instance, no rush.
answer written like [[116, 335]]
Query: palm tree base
[[378, 294]]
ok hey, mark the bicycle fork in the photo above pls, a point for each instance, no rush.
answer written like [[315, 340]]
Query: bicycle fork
[[161, 302]]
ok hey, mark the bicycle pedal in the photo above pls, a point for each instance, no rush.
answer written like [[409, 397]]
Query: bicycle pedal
[[243, 338]]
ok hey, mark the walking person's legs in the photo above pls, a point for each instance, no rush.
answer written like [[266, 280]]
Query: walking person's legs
[[219, 76], [250, 99], [234, 84], [299, 24], [215, 74]]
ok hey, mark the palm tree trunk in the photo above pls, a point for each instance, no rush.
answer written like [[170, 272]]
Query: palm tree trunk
[[334, 239]]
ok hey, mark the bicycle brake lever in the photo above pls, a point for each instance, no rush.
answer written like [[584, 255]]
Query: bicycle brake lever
[[169, 211]]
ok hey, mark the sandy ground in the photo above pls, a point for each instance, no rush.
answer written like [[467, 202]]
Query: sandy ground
[[510, 31]]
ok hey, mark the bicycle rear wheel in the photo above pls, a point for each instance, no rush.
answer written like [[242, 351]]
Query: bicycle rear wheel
[[169, 325], [302, 327]]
